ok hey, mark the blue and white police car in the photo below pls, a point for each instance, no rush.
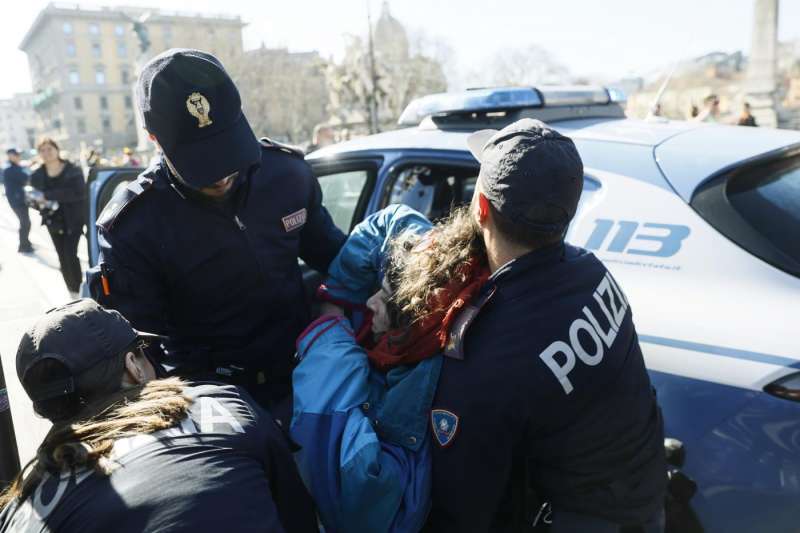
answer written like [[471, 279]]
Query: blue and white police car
[[699, 223]]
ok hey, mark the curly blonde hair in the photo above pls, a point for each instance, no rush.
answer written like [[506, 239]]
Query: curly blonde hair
[[88, 442], [419, 265]]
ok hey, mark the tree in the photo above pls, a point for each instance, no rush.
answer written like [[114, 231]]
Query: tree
[[283, 93], [527, 66]]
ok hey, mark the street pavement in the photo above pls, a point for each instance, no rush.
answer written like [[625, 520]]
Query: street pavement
[[29, 285]]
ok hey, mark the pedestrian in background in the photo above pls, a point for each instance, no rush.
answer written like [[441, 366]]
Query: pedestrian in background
[[129, 159], [323, 136], [14, 179], [62, 182], [710, 112], [746, 118]]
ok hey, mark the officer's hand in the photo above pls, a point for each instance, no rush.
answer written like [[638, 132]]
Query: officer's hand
[[327, 308]]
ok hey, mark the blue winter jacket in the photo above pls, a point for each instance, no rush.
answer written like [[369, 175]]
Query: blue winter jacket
[[365, 453]]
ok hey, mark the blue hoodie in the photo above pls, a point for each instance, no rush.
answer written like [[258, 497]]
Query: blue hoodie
[[365, 455]]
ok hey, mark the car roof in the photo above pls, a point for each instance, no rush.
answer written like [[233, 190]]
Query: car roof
[[429, 137], [688, 153]]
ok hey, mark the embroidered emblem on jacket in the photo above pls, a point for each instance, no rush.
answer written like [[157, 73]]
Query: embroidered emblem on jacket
[[445, 426]]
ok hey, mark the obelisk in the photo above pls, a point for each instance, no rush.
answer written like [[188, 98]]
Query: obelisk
[[761, 83]]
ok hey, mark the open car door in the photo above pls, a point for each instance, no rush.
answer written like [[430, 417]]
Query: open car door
[[102, 183]]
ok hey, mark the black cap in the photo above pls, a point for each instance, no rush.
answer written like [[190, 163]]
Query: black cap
[[530, 173], [12, 151], [78, 335], [193, 108]]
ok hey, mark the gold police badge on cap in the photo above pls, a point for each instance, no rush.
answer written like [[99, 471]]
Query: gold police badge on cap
[[198, 107]]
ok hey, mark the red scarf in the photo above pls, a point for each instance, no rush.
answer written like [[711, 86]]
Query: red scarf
[[427, 337]]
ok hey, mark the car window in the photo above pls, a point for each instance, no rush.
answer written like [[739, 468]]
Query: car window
[[771, 205], [432, 189], [341, 192], [757, 206]]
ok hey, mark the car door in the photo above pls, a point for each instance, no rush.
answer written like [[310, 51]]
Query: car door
[[102, 183], [347, 186]]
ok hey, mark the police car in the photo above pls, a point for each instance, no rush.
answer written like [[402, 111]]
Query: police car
[[699, 223]]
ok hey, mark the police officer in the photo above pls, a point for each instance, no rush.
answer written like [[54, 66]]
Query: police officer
[[545, 398], [203, 247], [128, 452]]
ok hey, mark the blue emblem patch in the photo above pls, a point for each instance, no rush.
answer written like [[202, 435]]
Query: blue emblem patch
[[445, 426]]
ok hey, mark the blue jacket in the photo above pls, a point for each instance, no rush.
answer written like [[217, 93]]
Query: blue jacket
[[14, 181], [220, 280], [365, 453]]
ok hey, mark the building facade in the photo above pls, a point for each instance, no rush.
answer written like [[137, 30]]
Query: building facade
[[18, 122], [83, 63]]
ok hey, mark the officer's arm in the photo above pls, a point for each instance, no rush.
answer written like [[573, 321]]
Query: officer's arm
[[358, 482], [133, 284], [320, 239], [354, 273]]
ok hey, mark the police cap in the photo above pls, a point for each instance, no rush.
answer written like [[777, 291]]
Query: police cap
[[191, 105], [530, 173]]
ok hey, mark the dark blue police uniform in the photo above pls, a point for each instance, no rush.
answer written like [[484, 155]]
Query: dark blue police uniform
[[552, 384], [203, 247], [543, 394], [226, 467], [221, 282]]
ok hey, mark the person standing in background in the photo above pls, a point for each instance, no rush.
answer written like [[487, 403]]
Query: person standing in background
[[62, 182], [14, 179], [746, 118]]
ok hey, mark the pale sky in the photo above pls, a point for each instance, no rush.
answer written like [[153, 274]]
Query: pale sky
[[594, 38]]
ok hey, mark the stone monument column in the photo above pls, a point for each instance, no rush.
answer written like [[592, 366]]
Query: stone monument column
[[761, 82]]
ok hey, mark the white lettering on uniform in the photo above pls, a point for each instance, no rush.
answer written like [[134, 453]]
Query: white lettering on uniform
[[575, 340], [614, 310], [212, 412], [560, 371], [605, 288], [607, 336]]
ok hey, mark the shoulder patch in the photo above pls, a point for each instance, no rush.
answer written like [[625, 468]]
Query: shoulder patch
[[121, 200], [269, 144], [445, 426]]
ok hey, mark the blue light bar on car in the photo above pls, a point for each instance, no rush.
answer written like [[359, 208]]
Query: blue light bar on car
[[558, 95], [473, 100], [508, 98]]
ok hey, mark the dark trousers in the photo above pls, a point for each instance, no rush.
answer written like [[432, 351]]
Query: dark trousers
[[24, 226], [66, 244]]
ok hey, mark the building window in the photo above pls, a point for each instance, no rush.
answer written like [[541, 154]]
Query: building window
[[78, 103], [122, 49], [119, 30], [67, 28], [56, 124], [100, 76], [94, 29], [128, 102], [126, 76], [96, 50], [104, 102], [106, 125], [74, 77], [71, 49], [81, 126]]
